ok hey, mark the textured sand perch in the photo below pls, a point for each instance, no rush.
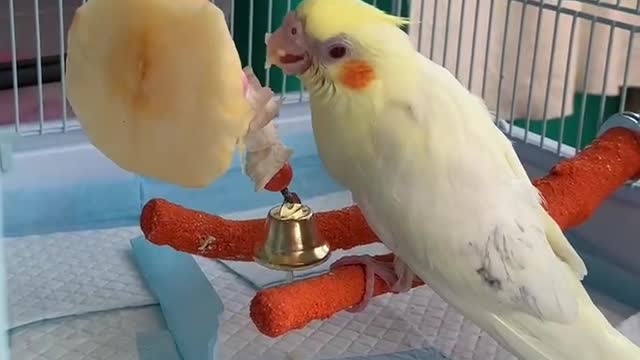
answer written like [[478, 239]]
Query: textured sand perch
[[573, 189], [196, 232]]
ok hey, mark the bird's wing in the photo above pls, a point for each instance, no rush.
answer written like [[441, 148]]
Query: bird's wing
[[511, 264], [516, 267], [559, 243]]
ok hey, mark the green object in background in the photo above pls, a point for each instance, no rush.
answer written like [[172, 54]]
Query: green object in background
[[590, 125], [250, 41]]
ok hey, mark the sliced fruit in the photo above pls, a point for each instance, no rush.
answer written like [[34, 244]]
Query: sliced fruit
[[157, 86]]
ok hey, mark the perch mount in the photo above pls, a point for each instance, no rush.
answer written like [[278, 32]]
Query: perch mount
[[627, 120]]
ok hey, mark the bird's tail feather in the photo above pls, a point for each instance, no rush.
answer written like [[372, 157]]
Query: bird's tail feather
[[592, 337]]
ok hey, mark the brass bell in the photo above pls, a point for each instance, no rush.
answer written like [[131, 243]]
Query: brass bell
[[293, 241]]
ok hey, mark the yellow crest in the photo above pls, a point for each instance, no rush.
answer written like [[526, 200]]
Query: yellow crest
[[327, 18]]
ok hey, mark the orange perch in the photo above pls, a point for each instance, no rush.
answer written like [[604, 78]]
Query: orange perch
[[199, 233], [278, 310], [573, 189]]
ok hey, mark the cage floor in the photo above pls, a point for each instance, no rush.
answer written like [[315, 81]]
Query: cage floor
[[78, 295]]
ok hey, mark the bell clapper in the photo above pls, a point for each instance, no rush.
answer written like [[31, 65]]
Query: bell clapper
[[290, 276], [290, 197]]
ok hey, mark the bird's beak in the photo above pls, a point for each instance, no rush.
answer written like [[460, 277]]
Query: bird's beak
[[284, 52]]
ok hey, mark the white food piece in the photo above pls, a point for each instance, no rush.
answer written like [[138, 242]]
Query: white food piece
[[265, 153], [157, 87]]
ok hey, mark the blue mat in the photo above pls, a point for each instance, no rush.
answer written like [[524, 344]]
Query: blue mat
[[190, 305], [157, 346], [417, 354]]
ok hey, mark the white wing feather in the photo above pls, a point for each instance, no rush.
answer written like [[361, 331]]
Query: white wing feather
[[520, 271], [509, 263], [555, 237]]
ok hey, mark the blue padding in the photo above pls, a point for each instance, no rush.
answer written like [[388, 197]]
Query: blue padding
[[417, 354], [79, 206], [234, 191], [4, 323], [624, 289], [157, 346], [117, 202], [72, 186], [190, 305]]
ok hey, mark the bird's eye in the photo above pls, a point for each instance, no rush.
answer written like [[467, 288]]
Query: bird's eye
[[294, 30], [338, 52]]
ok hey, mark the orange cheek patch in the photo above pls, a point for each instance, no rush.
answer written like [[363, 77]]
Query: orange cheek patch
[[357, 74]]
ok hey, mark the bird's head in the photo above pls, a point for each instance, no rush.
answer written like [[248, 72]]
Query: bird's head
[[342, 44]]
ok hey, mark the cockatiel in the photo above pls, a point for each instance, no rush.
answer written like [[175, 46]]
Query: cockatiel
[[439, 183]]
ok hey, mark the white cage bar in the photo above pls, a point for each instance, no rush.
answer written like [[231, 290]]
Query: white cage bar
[[516, 76], [549, 54]]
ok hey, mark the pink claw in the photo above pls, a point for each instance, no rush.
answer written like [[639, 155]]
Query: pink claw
[[385, 271]]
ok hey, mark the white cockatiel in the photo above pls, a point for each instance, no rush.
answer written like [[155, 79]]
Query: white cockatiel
[[439, 183]]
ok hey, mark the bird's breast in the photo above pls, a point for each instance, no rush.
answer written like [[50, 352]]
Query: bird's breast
[[342, 145]]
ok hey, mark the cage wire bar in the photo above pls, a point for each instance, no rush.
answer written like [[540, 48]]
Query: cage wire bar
[[38, 95], [249, 19], [521, 128]]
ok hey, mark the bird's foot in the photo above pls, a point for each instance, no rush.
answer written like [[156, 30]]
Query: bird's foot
[[385, 271], [405, 277]]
